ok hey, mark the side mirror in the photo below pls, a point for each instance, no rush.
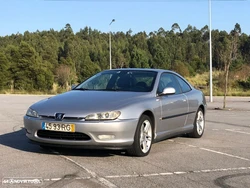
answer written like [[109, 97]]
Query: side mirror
[[168, 91]]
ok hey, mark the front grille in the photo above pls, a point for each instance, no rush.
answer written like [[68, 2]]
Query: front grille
[[65, 118], [62, 135]]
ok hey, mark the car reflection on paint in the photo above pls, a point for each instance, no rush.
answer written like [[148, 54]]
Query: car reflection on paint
[[119, 109]]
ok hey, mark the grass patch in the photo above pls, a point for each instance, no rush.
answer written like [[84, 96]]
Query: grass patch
[[56, 89], [200, 81]]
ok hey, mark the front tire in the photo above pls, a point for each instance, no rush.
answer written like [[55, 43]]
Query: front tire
[[143, 137], [199, 124]]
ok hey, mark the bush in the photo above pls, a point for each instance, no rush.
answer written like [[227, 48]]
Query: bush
[[245, 85]]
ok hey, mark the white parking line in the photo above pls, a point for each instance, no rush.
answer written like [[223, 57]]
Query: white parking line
[[221, 153], [210, 150], [57, 179], [123, 176], [104, 180], [93, 174], [178, 173], [232, 130]]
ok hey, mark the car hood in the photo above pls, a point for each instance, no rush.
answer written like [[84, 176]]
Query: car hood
[[81, 103]]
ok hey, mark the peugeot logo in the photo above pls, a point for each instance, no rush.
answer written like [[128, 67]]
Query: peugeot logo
[[59, 116]]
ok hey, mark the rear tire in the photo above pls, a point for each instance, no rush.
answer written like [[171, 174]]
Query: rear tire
[[143, 138], [199, 124]]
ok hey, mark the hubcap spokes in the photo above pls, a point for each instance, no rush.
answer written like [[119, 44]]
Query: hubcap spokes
[[200, 122], [145, 136]]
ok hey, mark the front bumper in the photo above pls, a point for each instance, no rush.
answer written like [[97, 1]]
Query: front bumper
[[123, 132]]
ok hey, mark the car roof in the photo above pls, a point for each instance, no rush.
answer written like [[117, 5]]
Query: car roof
[[143, 69]]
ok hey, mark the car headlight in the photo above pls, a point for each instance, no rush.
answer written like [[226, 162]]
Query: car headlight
[[104, 116], [32, 113]]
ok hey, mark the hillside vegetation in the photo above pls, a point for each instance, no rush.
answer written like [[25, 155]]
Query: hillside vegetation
[[50, 61]]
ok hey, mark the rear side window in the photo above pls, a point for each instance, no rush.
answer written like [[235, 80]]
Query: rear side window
[[184, 86]]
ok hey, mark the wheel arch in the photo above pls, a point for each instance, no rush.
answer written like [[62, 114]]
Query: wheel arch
[[152, 117], [203, 108]]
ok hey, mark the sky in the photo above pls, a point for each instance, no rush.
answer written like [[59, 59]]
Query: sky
[[138, 15]]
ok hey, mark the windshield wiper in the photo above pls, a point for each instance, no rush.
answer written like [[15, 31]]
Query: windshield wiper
[[82, 89], [114, 89]]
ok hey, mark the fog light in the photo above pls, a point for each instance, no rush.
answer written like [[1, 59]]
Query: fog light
[[106, 137]]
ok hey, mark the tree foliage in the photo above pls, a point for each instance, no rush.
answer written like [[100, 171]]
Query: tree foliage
[[228, 51], [34, 61]]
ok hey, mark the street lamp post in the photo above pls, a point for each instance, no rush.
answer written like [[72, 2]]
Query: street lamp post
[[210, 51], [110, 62]]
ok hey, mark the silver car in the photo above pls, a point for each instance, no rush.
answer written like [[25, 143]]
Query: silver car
[[119, 109]]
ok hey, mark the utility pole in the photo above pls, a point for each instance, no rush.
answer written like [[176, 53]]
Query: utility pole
[[210, 51], [110, 62]]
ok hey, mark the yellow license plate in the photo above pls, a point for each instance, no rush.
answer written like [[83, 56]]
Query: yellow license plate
[[64, 127]]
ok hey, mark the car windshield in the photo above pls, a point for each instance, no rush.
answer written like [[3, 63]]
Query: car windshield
[[120, 80]]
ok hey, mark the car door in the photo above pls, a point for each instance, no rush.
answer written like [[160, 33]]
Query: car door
[[192, 101], [174, 108]]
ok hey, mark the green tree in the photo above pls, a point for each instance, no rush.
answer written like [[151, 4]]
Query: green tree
[[23, 67], [228, 53], [139, 59], [31, 60], [4, 73], [181, 68]]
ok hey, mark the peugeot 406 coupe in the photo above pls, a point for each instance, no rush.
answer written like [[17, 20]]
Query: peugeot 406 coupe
[[119, 109]]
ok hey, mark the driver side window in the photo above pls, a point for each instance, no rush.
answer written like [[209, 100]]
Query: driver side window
[[168, 80]]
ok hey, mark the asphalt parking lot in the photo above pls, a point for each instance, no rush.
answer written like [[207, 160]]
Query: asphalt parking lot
[[221, 158]]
